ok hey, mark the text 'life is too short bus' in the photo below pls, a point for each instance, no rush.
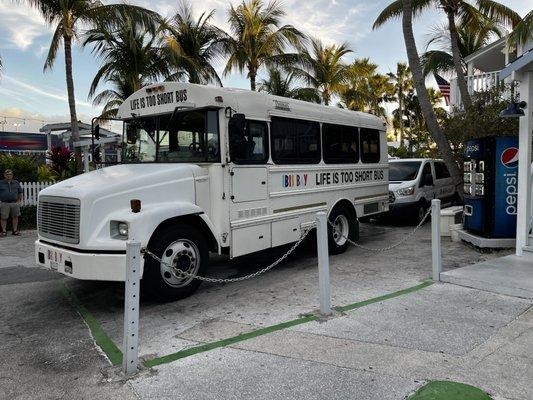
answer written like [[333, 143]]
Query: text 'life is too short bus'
[[216, 170]]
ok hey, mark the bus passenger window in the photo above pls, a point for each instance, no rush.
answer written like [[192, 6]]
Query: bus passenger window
[[340, 144], [295, 141], [370, 146], [254, 150]]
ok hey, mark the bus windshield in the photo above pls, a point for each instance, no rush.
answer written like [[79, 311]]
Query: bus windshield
[[184, 136], [403, 170]]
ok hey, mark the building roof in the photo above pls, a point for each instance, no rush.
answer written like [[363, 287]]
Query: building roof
[[522, 63], [85, 129], [165, 97], [491, 57]]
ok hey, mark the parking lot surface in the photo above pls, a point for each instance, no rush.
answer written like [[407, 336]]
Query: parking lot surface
[[381, 349]]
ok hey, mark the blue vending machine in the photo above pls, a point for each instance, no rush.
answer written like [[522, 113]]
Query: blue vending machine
[[491, 186]]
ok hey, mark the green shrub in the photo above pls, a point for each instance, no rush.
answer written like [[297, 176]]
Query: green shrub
[[24, 167], [45, 174]]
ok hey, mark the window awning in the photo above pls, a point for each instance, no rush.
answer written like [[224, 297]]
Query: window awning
[[525, 61]]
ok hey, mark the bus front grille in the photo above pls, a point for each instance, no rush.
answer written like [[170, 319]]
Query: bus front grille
[[58, 218]]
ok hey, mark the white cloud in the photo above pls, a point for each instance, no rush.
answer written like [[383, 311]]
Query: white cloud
[[21, 25], [42, 92]]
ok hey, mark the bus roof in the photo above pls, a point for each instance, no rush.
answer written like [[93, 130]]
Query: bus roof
[[165, 97]]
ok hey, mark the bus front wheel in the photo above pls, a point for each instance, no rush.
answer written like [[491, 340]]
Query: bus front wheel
[[180, 248], [343, 226]]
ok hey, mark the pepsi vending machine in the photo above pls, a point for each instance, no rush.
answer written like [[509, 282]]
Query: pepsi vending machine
[[491, 186]]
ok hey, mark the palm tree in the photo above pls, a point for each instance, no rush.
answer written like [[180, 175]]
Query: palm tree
[[280, 84], [522, 31], [366, 89], [456, 9], [130, 60], [403, 82], [194, 45], [471, 39], [67, 17], [257, 38], [423, 96], [322, 67]]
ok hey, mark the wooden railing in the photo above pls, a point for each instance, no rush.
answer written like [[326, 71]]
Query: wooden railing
[[474, 83]]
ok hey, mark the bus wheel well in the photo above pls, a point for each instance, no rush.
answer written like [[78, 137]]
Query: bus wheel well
[[193, 220], [348, 205]]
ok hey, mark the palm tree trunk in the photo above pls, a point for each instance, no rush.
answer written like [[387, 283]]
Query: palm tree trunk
[[252, 74], [72, 102], [423, 96], [400, 110], [457, 61]]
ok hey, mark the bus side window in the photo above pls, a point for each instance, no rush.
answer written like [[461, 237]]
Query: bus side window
[[341, 144], [370, 145], [255, 147], [295, 141]]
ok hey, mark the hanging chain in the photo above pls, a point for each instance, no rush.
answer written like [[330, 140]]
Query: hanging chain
[[406, 238], [179, 274]]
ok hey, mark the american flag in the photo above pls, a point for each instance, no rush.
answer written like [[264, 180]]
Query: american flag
[[444, 87]]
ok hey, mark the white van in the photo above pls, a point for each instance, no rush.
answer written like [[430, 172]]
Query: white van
[[215, 170], [414, 182]]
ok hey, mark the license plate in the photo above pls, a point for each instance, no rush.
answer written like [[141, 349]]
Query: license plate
[[55, 258]]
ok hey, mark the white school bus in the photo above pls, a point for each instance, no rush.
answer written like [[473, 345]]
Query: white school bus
[[215, 170]]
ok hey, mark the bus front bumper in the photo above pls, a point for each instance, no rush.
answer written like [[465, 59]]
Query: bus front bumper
[[81, 265]]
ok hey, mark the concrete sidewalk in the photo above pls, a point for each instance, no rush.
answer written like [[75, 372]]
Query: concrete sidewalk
[[382, 351], [509, 275]]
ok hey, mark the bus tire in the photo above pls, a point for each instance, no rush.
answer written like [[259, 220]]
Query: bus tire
[[183, 246], [346, 226]]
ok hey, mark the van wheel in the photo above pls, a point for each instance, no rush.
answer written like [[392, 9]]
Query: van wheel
[[421, 210], [345, 226], [183, 247]]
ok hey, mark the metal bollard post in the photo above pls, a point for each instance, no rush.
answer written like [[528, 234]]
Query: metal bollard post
[[436, 256], [130, 358], [323, 263]]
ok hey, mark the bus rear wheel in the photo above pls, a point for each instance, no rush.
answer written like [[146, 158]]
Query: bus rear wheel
[[182, 248], [343, 226]]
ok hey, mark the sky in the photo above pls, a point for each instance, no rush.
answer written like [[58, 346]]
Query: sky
[[40, 97]]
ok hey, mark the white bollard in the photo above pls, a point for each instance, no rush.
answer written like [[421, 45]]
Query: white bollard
[[323, 263], [130, 352], [436, 256]]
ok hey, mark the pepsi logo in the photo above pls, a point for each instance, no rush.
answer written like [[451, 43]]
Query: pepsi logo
[[510, 157]]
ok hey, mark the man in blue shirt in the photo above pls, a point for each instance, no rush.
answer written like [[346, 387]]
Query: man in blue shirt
[[10, 199]]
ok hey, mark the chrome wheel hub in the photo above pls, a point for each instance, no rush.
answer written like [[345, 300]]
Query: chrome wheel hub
[[341, 230], [180, 255]]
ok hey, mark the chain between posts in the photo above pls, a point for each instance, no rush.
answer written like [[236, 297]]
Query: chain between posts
[[406, 238], [178, 273]]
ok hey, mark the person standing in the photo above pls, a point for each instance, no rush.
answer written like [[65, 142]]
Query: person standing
[[10, 199]]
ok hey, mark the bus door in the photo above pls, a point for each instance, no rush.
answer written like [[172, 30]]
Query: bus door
[[249, 189]]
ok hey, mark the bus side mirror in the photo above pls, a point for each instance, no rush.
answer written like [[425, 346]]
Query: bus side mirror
[[237, 141], [131, 134]]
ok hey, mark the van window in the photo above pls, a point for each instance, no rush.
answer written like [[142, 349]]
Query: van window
[[441, 171], [295, 141], [256, 136], [340, 144], [370, 145], [401, 171]]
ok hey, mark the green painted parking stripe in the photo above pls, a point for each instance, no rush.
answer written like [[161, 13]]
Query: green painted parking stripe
[[273, 328], [389, 296], [100, 337]]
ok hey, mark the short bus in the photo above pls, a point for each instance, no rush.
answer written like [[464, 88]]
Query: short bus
[[215, 170]]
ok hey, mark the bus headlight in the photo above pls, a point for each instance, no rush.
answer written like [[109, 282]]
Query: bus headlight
[[408, 191], [119, 230], [123, 229]]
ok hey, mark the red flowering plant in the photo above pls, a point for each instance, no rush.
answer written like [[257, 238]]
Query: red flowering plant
[[63, 164]]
